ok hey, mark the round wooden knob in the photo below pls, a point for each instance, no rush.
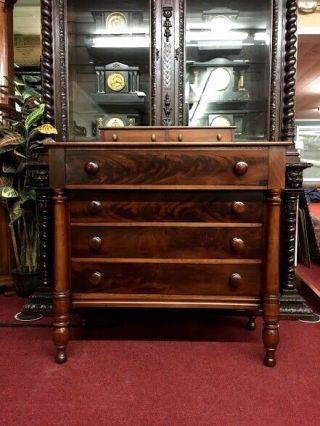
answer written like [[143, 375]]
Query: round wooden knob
[[91, 167], [237, 245], [95, 243], [236, 280], [95, 207], [241, 168], [153, 137], [95, 278], [114, 137], [219, 137], [180, 137], [238, 207]]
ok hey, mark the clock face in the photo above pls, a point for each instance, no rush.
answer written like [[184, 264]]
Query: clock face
[[220, 121], [307, 5], [220, 79], [116, 81], [115, 122], [116, 22]]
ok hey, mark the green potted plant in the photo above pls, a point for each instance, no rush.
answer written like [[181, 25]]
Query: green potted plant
[[22, 133]]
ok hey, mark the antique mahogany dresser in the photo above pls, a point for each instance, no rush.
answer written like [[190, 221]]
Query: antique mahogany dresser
[[167, 217]]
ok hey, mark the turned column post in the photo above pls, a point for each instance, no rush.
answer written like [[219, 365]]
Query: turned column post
[[61, 295], [271, 305]]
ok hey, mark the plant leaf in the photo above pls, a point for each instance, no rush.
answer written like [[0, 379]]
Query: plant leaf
[[32, 101], [35, 115], [16, 212], [10, 141], [44, 129], [9, 168], [47, 129], [5, 181], [28, 92], [17, 81], [9, 192]]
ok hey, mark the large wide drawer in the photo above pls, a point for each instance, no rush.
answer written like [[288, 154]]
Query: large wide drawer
[[166, 206], [167, 278], [171, 134], [167, 168], [164, 241]]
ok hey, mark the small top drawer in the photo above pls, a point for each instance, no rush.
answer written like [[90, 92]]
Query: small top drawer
[[170, 134], [171, 168]]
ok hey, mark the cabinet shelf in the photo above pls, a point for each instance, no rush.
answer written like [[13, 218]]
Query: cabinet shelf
[[119, 99]]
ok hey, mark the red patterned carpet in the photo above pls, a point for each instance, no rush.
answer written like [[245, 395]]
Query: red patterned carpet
[[315, 217], [158, 368], [315, 209]]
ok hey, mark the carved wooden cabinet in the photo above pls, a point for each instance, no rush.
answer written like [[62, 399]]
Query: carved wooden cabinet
[[178, 63], [169, 62], [167, 224]]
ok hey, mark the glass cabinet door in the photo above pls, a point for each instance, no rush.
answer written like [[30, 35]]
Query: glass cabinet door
[[108, 65], [228, 65]]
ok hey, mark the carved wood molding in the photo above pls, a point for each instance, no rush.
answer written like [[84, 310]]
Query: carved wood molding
[[154, 58], [63, 70], [290, 202], [288, 128], [167, 14], [167, 62], [47, 60], [181, 67]]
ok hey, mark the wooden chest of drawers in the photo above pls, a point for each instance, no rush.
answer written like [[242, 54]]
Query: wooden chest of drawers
[[167, 224]]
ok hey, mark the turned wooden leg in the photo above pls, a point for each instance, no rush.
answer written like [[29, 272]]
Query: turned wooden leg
[[61, 295], [251, 324], [270, 334]]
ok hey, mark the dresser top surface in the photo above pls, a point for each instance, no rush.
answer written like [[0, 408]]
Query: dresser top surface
[[96, 144]]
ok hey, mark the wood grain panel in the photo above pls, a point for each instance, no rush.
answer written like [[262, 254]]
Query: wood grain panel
[[109, 300], [185, 167], [172, 134], [166, 242], [166, 206], [174, 279]]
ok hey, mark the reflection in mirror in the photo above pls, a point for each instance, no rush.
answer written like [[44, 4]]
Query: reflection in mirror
[[308, 145], [109, 65], [227, 65], [27, 42]]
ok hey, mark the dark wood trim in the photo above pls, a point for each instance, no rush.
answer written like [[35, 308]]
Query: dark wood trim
[[154, 59], [60, 68], [167, 59], [290, 203], [180, 57], [310, 293], [313, 243], [47, 60], [276, 69], [288, 125]]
